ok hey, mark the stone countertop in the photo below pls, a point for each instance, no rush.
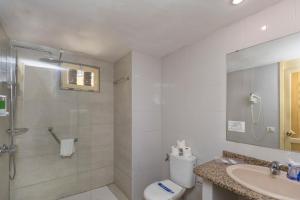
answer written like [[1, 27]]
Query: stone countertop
[[215, 172]]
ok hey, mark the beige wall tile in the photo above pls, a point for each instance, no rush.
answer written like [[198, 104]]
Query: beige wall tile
[[48, 190], [122, 126], [123, 182], [37, 169]]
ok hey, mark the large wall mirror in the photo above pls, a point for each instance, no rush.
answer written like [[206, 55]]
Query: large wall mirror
[[263, 94]]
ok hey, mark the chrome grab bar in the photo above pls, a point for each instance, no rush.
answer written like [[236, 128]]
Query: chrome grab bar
[[17, 131], [50, 129]]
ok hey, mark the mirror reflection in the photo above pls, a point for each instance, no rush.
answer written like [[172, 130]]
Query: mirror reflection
[[263, 94]]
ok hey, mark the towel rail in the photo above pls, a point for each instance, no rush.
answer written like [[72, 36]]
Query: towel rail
[[50, 129]]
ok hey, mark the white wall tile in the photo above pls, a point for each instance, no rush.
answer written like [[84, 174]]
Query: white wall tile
[[281, 19], [146, 122]]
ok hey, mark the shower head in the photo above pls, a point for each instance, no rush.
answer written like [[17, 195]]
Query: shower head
[[53, 60], [49, 60]]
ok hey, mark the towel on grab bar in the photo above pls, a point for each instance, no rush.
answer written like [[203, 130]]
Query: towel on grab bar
[[67, 147]]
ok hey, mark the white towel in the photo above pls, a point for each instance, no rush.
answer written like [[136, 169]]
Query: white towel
[[181, 144], [67, 147]]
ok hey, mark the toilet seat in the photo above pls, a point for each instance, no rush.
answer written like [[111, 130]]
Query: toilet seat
[[155, 192]]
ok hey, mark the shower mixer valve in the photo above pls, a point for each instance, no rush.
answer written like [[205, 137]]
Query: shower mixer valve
[[8, 149]]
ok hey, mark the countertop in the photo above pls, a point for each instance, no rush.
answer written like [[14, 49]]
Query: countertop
[[215, 172]]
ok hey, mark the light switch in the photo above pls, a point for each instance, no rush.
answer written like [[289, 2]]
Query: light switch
[[236, 126]]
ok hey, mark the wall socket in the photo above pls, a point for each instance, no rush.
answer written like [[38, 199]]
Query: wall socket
[[271, 129]]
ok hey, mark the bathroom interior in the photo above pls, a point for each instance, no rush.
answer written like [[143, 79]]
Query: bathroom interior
[[149, 100]]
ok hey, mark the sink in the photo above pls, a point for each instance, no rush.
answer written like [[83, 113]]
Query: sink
[[259, 179]]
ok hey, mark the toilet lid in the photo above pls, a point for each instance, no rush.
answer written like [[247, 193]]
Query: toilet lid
[[163, 190]]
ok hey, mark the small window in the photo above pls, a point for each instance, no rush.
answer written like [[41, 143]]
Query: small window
[[80, 77]]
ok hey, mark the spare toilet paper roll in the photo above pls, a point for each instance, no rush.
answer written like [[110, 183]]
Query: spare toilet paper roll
[[174, 151], [181, 144], [187, 152]]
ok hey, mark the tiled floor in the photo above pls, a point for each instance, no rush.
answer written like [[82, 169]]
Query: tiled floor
[[103, 193]]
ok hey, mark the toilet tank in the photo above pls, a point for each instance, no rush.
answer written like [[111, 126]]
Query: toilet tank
[[182, 170]]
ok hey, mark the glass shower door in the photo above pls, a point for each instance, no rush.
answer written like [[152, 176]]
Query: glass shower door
[[4, 123], [50, 114]]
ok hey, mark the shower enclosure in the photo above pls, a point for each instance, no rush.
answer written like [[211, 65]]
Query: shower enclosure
[[41, 114], [7, 148]]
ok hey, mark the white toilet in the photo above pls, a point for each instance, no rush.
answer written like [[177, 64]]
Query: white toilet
[[182, 177]]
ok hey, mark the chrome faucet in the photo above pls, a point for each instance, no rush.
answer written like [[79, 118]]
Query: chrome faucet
[[275, 168]]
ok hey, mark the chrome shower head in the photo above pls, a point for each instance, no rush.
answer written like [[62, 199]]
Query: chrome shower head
[[51, 59]]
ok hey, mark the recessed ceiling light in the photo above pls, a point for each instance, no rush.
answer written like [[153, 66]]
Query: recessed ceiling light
[[236, 2]]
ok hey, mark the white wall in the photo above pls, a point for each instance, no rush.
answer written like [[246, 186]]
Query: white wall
[[194, 80], [146, 122]]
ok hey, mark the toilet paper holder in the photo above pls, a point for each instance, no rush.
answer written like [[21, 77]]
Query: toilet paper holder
[[167, 157]]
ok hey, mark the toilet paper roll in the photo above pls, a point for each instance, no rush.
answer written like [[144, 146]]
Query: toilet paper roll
[[174, 151], [187, 152], [181, 144]]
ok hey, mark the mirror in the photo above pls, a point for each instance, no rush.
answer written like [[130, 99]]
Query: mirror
[[263, 94]]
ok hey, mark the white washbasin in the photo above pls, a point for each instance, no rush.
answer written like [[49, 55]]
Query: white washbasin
[[258, 179]]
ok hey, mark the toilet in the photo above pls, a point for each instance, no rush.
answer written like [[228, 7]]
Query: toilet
[[182, 177]]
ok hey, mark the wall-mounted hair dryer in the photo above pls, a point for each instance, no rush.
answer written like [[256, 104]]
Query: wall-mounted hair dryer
[[255, 99]]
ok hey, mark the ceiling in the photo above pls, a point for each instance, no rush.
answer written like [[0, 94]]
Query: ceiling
[[109, 29]]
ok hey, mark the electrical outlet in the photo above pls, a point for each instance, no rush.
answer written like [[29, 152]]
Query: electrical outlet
[[271, 129]]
